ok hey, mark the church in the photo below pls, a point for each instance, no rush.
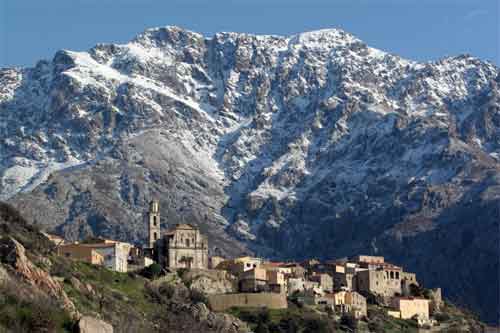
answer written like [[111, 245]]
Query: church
[[182, 247]]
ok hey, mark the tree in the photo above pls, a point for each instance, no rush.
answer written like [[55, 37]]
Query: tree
[[152, 271], [262, 328], [349, 320]]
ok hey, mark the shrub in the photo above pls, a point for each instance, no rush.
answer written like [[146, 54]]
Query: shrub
[[349, 321], [442, 317], [33, 313], [152, 271], [197, 296], [376, 326], [262, 328]]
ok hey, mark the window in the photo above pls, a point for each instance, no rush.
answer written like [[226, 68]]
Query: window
[[155, 236], [397, 275], [187, 242], [392, 275], [67, 254], [154, 220]]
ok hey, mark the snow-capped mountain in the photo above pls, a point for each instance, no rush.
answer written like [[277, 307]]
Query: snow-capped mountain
[[312, 144]]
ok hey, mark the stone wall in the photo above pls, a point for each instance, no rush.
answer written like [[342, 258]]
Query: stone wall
[[257, 300]]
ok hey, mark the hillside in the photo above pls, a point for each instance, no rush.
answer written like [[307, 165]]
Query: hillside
[[307, 145], [42, 292]]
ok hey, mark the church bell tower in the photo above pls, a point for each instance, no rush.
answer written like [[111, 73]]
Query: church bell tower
[[153, 218]]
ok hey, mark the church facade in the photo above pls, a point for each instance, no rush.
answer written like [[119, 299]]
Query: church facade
[[182, 247]]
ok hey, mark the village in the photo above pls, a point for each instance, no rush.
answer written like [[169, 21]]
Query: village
[[343, 286]]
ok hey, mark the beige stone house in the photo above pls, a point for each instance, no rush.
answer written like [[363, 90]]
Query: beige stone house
[[254, 280], [411, 307], [384, 281], [114, 253], [237, 266], [276, 281], [324, 280], [350, 302], [81, 253]]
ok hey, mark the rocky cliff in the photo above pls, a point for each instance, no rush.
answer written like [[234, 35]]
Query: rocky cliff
[[312, 144]]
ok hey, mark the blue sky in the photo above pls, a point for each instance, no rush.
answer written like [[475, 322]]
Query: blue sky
[[416, 29]]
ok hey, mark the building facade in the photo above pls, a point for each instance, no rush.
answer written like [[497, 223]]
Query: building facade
[[78, 252], [182, 247], [350, 302], [111, 254], [410, 307]]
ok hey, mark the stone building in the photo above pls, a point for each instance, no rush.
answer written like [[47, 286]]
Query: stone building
[[276, 281], [373, 260], [350, 302], [410, 307], [254, 280], [78, 252], [114, 254], [182, 247], [238, 266], [324, 280], [384, 281]]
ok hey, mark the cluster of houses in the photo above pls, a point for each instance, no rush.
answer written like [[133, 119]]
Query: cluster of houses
[[341, 285]]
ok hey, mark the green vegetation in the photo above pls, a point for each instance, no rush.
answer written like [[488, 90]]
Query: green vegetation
[[152, 271], [293, 320], [22, 312], [121, 298]]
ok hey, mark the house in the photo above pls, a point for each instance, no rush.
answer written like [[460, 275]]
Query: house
[[296, 270], [77, 252], [300, 284], [342, 281], [276, 266], [384, 281], [350, 302], [239, 265], [56, 240], [115, 253], [364, 259], [276, 281], [248, 263], [314, 296], [111, 254], [408, 282], [324, 280], [411, 308], [254, 280]]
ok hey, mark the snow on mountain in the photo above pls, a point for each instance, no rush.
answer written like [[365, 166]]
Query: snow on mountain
[[273, 144]]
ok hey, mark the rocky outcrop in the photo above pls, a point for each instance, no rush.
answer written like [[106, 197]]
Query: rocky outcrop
[[208, 321], [88, 324], [210, 281], [13, 254]]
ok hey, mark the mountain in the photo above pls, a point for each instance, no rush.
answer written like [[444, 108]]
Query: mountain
[[309, 145]]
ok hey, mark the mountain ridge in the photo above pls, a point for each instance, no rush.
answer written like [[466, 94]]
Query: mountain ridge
[[280, 145]]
